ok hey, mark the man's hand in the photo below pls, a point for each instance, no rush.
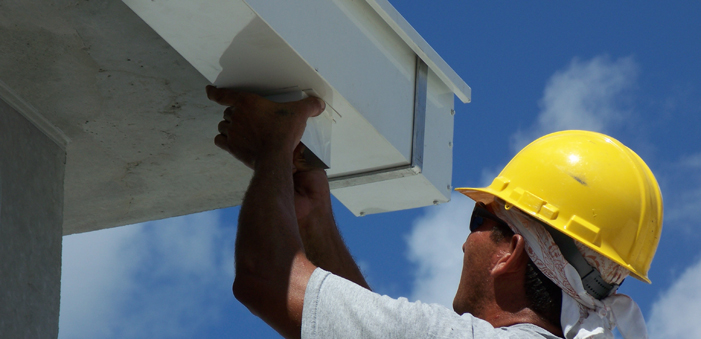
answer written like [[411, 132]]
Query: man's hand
[[255, 127], [272, 270], [273, 244], [323, 243], [311, 186]]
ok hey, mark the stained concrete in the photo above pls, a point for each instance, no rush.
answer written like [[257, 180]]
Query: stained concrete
[[139, 125], [31, 215], [114, 128]]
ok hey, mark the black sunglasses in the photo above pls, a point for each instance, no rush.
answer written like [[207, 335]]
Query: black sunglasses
[[479, 214]]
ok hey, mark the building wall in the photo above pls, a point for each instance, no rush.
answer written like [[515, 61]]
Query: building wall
[[31, 214]]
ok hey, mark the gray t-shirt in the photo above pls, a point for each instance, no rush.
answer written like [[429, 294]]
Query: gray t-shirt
[[337, 308]]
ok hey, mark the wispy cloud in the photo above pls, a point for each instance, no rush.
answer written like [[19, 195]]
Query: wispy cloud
[[435, 246], [161, 279], [682, 193], [94, 267], [676, 312], [589, 95]]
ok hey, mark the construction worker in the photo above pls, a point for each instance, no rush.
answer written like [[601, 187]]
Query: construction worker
[[551, 239]]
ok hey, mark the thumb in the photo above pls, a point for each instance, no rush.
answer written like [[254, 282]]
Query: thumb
[[310, 107], [223, 96]]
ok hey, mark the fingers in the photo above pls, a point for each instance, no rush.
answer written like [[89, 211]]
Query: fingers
[[298, 160], [310, 107], [220, 141], [299, 150], [223, 127], [242, 154], [222, 96], [228, 112]]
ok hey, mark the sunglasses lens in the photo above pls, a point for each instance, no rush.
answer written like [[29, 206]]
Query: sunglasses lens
[[478, 216], [476, 222]]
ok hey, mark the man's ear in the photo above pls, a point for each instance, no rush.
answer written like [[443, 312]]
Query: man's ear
[[512, 256]]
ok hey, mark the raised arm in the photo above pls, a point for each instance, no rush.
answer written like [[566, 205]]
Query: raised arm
[[271, 269], [323, 243]]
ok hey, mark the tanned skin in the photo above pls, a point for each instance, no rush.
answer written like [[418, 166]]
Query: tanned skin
[[322, 240], [286, 227], [272, 269], [492, 285]]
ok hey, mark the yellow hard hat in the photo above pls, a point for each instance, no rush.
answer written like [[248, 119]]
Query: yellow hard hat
[[590, 187]]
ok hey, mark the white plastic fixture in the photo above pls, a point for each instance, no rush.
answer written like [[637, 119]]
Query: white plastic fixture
[[389, 95]]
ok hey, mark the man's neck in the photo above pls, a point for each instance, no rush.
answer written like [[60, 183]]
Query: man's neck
[[500, 317]]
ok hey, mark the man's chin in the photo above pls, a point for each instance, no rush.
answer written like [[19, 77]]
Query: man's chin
[[457, 307], [465, 305]]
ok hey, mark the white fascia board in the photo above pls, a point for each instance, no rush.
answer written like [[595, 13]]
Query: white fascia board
[[409, 186], [359, 59], [390, 195], [356, 54], [412, 38]]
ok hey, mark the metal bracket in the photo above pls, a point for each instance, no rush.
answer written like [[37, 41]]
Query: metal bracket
[[417, 146], [420, 91], [372, 177]]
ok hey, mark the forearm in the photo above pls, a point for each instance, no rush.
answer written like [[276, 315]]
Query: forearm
[[271, 269], [267, 224], [323, 243]]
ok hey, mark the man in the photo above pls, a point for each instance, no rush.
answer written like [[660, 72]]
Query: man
[[523, 275]]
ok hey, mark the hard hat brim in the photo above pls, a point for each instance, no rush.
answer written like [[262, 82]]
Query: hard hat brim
[[487, 195], [477, 194]]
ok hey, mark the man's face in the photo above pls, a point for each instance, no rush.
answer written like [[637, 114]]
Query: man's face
[[475, 288]]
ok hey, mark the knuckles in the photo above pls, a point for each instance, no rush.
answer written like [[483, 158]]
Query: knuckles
[[253, 124], [223, 126]]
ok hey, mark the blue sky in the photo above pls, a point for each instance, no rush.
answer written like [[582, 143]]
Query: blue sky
[[628, 69]]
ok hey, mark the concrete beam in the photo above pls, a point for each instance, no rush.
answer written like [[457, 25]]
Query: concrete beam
[[32, 168], [141, 129]]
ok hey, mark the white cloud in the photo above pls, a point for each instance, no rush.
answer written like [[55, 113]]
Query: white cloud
[[588, 95], [93, 271], [676, 312], [161, 279], [489, 173], [435, 246], [682, 207]]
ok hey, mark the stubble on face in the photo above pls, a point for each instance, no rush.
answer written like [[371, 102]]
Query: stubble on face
[[473, 290]]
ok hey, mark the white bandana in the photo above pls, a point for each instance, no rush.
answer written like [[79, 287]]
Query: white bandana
[[583, 316]]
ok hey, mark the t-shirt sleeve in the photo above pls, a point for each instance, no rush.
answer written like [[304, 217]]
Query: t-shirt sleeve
[[337, 308]]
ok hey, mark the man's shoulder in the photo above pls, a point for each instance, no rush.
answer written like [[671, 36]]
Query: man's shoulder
[[457, 327], [337, 308], [527, 330]]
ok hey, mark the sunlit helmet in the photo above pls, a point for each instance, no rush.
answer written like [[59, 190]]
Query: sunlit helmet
[[590, 187]]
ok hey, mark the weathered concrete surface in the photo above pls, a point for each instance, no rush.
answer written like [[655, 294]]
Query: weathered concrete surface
[[139, 124], [31, 212]]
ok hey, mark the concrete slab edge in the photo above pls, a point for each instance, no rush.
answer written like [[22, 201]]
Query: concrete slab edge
[[31, 114]]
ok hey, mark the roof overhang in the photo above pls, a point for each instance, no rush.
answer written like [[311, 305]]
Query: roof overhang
[[122, 90]]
